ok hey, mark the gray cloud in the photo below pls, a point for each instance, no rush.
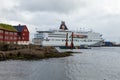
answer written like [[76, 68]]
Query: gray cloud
[[61, 6], [46, 14]]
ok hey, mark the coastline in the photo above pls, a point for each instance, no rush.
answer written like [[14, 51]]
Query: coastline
[[32, 53]]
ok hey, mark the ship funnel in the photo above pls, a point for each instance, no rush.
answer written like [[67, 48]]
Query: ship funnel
[[63, 26]]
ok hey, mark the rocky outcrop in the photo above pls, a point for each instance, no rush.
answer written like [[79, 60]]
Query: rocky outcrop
[[32, 53]]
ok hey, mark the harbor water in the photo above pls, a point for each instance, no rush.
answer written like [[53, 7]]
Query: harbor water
[[99, 63]]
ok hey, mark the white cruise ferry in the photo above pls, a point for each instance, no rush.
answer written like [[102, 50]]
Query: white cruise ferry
[[65, 38]]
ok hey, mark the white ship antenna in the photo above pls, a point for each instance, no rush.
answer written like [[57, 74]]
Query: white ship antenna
[[80, 29], [83, 29], [91, 30], [36, 29], [119, 40]]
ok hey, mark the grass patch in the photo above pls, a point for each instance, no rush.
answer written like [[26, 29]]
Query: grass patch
[[7, 27]]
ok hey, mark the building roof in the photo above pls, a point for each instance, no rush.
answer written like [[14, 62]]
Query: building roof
[[7, 27], [19, 28]]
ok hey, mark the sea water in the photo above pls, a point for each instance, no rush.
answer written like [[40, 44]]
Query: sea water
[[98, 63]]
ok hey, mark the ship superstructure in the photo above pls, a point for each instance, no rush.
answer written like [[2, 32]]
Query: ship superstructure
[[66, 38]]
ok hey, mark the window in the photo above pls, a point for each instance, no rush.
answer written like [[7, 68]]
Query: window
[[25, 30], [23, 34], [15, 33], [11, 33], [15, 38], [1, 31], [6, 37], [19, 38], [1, 37], [11, 38], [6, 32]]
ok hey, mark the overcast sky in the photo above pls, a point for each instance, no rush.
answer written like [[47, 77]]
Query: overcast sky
[[101, 16]]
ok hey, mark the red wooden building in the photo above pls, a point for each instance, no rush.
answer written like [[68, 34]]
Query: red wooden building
[[8, 34], [22, 34], [14, 34]]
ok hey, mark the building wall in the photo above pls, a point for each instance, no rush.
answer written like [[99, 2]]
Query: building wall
[[23, 42], [8, 36], [15, 37], [1, 35], [23, 36]]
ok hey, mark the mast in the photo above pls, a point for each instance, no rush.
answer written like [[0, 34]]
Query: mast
[[72, 45], [66, 44]]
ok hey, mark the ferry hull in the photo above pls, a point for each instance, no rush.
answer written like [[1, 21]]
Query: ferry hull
[[68, 50]]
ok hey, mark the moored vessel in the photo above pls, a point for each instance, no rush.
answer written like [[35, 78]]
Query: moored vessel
[[66, 39]]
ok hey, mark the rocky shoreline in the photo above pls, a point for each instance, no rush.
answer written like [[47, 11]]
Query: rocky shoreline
[[32, 53]]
